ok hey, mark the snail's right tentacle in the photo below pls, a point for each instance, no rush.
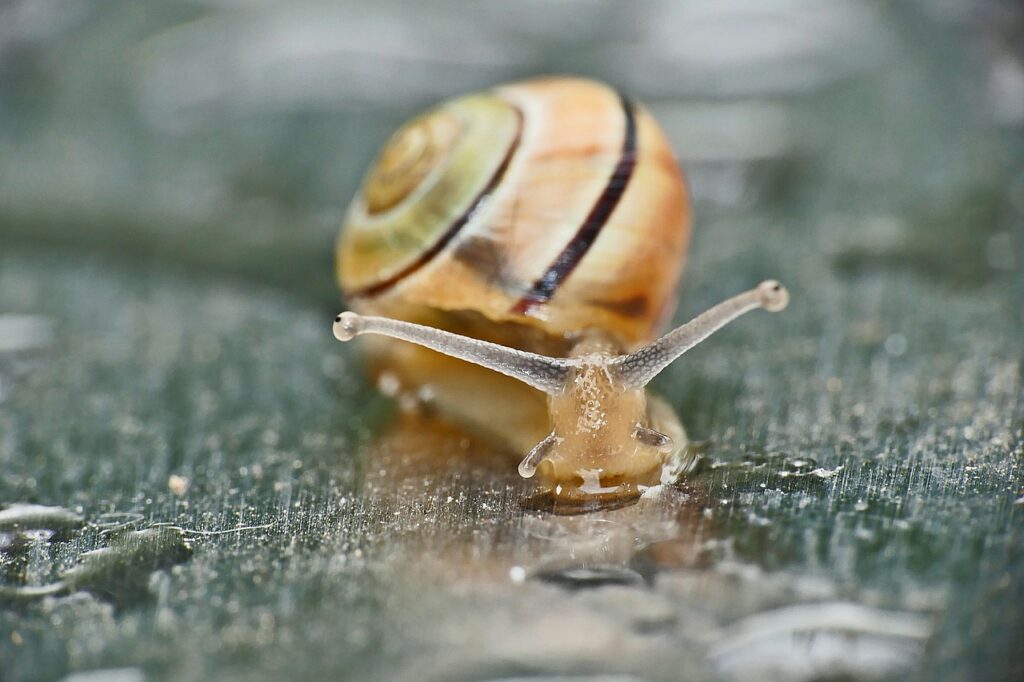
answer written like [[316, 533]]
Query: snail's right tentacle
[[539, 371], [637, 369]]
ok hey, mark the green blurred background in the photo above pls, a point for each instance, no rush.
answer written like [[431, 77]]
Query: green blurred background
[[172, 176]]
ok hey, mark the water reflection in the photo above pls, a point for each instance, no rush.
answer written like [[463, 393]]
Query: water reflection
[[597, 591], [119, 571], [811, 641]]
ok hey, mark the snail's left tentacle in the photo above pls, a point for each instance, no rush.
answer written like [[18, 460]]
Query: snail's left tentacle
[[528, 467], [655, 439]]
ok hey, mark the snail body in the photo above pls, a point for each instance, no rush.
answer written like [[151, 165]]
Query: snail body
[[537, 230]]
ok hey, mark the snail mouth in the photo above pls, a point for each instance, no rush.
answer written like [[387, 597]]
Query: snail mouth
[[566, 500], [579, 495]]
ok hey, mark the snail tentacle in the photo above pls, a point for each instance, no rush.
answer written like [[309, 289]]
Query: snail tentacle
[[655, 439], [637, 369], [528, 467], [539, 371]]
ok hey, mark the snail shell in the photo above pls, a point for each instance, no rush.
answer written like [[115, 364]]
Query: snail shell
[[522, 215]]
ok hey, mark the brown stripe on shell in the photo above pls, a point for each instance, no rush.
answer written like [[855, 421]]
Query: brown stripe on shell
[[566, 261]]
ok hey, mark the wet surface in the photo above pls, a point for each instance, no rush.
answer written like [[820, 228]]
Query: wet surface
[[196, 482]]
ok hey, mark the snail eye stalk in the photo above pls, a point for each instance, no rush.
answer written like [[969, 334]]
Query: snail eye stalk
[[539, 371], [551, 375], [637, 369]]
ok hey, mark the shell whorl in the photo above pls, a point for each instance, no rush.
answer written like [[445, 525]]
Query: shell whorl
[[554, 203], [413, 152], [423, 189]]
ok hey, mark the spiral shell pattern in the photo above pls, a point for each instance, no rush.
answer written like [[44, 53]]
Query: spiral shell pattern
[[553, 203]]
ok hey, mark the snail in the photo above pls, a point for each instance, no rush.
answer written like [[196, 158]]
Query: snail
[[514, 253]]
